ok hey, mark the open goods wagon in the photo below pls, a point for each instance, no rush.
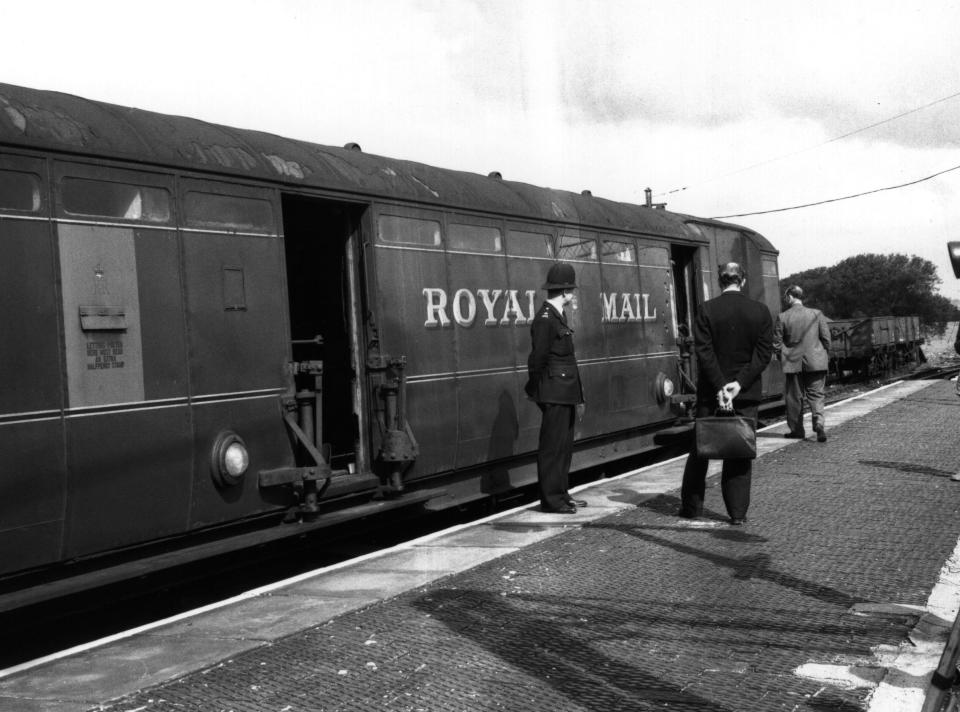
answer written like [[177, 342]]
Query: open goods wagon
[[874, 345]]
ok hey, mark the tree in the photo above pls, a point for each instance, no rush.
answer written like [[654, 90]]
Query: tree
[[876, 285]]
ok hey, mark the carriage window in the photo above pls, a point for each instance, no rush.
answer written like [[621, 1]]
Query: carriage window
[[409, 231], [529, 244], [83, 196], [19, 191], [623, 253], [769, 268], [228, 212], [577, 248], [654, 257], [474, 238]]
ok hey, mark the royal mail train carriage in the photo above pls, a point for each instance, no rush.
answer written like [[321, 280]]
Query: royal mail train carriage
[[206, 326]]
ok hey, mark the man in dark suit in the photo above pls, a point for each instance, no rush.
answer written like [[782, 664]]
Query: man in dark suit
[[554, 384], [733, 340], [801, 338]]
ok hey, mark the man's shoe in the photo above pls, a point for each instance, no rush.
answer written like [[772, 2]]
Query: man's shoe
[[821, 435], [566, 509], [576, 502], [737, 522], [686, 514], [797, 434]]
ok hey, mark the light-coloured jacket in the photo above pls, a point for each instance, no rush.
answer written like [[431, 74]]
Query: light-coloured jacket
[[802, 338]]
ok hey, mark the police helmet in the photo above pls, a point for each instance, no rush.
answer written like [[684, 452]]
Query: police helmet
[[561, 276]]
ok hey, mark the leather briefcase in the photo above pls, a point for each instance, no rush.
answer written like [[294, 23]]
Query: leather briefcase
[[725, 436]]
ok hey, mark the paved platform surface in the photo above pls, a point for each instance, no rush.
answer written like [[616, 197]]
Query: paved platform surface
[[820, 602]]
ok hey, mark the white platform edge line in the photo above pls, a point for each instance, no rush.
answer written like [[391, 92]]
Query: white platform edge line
[[919, 656]]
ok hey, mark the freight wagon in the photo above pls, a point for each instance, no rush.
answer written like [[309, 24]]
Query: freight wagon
[[874, 345]]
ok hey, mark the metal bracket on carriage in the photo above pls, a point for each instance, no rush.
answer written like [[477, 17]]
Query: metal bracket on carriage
[[398, 446], [303, 479]]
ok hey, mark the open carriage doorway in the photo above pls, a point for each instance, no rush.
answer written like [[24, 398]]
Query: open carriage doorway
[[320, 238]]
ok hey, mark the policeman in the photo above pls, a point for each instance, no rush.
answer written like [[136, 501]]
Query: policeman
[[554, 384]]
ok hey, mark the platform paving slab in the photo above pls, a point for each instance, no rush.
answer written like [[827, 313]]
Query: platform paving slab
[[636, 611]]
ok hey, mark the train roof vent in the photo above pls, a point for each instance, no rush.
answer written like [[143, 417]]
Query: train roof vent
[[588, 193], [353, 146], [495, 175]]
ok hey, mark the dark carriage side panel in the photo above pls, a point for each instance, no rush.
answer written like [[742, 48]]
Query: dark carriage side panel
[[773, 378], [235, 304], [129, 466], [128, 445], [412, 293], [485, 311], [32, 469], [161, 308], [29, 359], [238, 341], [129, 477], [32, 478], [637, 320], [29, 349]]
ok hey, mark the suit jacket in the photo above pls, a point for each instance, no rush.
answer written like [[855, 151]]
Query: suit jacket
[[733, 340], [802, 338], [552, 365]]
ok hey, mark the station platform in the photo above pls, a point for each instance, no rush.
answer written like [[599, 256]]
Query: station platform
[[837, 594]]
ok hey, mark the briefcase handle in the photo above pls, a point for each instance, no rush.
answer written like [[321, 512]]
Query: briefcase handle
[[725, 410]]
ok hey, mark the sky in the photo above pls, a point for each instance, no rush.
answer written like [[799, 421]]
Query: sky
[[721, 108]]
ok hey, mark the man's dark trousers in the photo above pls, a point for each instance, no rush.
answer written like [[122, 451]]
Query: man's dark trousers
[[734, 480], [555, 453]]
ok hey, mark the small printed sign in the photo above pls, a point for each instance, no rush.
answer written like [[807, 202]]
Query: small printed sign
[[104, 354]]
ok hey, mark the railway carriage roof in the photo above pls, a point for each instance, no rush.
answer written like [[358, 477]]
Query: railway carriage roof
[[53, 121], [761, 242]]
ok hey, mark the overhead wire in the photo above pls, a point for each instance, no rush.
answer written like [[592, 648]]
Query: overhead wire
[[810, 148], [834, 200]]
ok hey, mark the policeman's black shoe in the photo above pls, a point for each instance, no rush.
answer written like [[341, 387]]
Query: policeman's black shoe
[[797, 434], [686, 514], [576, 502], [565, 509], [737, 522], [821, 435]]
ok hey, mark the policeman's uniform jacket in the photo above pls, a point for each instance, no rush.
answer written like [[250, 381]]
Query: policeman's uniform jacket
[[552, 365], [802, 336], [733, 340]]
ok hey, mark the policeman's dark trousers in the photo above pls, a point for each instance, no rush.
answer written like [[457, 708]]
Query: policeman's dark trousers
[[555, 453], [734, 480], [796, 387]]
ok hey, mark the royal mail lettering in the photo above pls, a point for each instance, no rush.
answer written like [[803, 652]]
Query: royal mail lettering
[[503, 307], [492, 307], [618, 308]]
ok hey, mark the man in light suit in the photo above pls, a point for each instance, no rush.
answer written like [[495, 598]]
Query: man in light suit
[[733, 340], [801, 337]]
